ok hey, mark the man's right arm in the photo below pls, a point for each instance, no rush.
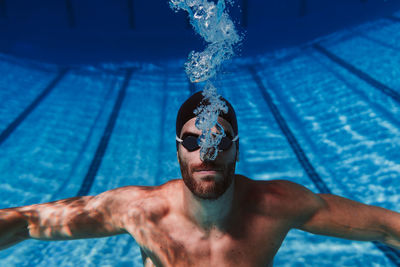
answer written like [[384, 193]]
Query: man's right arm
[[74, 218], [13, 228]]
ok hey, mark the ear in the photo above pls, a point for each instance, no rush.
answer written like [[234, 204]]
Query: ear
[[237, 156], [177, 156]]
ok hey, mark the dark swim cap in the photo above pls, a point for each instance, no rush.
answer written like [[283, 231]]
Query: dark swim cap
[[185, 112]]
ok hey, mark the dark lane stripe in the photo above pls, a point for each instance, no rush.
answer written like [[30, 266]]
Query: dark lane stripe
[[245, 13], [301, 156], [101, 149], [70, 13], [377, 41], [396, 19], [392, 254], [375, 83], [131, 12], [303, 8], [3, 9], [8, 131]]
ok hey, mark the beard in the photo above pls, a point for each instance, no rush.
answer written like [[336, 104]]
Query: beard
[[210, 188]]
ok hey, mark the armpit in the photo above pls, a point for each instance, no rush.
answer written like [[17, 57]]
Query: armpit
[[147, 262]]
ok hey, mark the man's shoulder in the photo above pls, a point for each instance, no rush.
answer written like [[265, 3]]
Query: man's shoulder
[[130, 190], [272, 187], [148, 199], [134, 194], [283, 198], [142, 190], [282, 188]]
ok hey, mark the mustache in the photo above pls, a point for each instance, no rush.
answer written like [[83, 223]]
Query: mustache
[[207, 167]]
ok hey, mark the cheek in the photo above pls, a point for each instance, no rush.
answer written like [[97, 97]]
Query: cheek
[[231, 153], [183, 158]]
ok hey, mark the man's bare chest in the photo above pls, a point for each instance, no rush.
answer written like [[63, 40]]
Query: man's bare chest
[[176, 242]]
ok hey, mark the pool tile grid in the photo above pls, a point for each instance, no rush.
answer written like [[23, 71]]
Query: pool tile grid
[[391, 253]]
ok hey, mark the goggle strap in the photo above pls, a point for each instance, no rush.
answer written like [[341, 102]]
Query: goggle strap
[[180, 140]]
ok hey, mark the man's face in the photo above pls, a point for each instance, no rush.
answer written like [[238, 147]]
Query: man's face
[[207, 179]]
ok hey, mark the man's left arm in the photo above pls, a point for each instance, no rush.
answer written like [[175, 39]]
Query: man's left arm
[[340, 217]]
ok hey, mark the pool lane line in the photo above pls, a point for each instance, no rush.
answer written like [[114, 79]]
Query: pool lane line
[[101, 148], [3, 9], [70, 13], [28, 110], [245, 13], [106, 100], [301, 156], [131, 12], [393, 18], [362, 94], [303, 8], [360, 74], [42, 246], [392, 254], [374, 40]]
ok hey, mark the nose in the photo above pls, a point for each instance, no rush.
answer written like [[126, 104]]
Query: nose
[[208, 154]]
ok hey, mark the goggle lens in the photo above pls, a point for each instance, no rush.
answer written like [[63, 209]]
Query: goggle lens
[[190, 142]]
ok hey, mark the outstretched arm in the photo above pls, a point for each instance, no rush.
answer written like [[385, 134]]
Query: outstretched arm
[[13, 228], [344, 218], [73, 218]]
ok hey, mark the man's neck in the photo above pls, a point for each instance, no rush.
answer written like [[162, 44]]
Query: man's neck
[[210, 214]]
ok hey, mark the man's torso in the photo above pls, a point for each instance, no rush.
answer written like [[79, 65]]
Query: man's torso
[[253, 237]]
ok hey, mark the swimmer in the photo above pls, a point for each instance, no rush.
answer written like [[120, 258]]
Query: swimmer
[[210, 217]]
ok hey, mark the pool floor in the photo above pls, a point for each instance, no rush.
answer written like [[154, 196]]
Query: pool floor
[[325, 115]]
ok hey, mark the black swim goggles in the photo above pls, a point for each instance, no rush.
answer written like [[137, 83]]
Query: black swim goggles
[[191, 142]]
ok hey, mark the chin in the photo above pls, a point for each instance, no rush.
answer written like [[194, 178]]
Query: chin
[[210, 187], [208, 194], [207, 179]]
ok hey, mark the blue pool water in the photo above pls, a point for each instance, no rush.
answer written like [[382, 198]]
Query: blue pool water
[[325, 115]]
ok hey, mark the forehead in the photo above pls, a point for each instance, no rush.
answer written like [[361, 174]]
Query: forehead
[[190, 127]]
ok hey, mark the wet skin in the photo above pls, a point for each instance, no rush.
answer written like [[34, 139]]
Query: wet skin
[[221, 219], [248, 236]]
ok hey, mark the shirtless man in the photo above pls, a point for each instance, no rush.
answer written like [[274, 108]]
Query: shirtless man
[[211, 217]]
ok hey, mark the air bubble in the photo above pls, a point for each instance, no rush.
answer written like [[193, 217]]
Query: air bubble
[[211, 22]]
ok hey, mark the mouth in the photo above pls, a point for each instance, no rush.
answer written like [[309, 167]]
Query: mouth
[[208, 171]]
